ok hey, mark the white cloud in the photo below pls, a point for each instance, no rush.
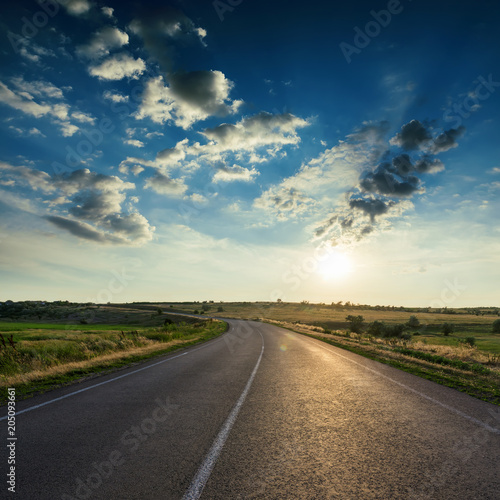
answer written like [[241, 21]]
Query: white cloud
[[82, 117], [234, 173], [24, 100], [102, 42], [76, 7], [262, 129], [118, 67], [107, 11], [110, 96], [35, 131], [68, 129], [23, 104], [37, 88], [135, 142]]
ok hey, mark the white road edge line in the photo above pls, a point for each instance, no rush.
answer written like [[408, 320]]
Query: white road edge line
[[421, 394], [200, 479], [31, 408]]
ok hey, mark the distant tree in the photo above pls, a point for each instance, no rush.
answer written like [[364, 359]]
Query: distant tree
[[447, 328], [355, 323], [278, 300], [159, 311], [220, 309], [496, 326], [413, 322]]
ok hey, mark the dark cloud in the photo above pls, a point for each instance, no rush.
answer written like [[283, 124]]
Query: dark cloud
[[81, 230], [366, 230], [403, 164], [413, 136], [203, 90], [320, 231], [163, 184], [95, 205], [89, 197], [428, 165], [159, 27], [384, 181], [381, 191], [447, 139], [131, 227], [371, 207]]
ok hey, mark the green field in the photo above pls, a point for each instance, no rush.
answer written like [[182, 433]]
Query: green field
[[37, 356]]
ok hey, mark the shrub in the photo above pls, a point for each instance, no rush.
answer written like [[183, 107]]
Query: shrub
[[196, 311], [470, 340], [413, 322], [159, 311], [220, 309], [447, 328], [496, 326], [356, 323], [376, 328], [394, 330]]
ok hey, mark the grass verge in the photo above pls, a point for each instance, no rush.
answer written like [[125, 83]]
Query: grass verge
[[461, 368], [47, 358]]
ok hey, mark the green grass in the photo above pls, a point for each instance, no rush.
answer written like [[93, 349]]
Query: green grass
[[42, 354]]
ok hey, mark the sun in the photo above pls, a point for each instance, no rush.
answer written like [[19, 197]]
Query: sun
[[335, 266]]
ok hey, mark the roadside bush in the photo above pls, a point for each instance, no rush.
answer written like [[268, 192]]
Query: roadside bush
[[496, 326], [376, 328], [447, 328], [394, 330], [413, 322], [355, 323], [380, 329], [220, 309]]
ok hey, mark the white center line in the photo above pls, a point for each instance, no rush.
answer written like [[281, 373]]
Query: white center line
[[201, 477]]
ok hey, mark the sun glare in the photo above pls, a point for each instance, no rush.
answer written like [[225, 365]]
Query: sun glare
[[335, 266]]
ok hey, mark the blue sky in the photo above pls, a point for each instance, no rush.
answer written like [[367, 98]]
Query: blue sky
[[238, 150]]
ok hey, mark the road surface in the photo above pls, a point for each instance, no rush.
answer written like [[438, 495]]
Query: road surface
[[260, 412]]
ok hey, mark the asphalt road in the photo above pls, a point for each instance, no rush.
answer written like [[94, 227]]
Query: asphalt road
[[260, 412]]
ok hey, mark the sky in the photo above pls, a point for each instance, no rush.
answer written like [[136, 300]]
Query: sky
[[241, 150]]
